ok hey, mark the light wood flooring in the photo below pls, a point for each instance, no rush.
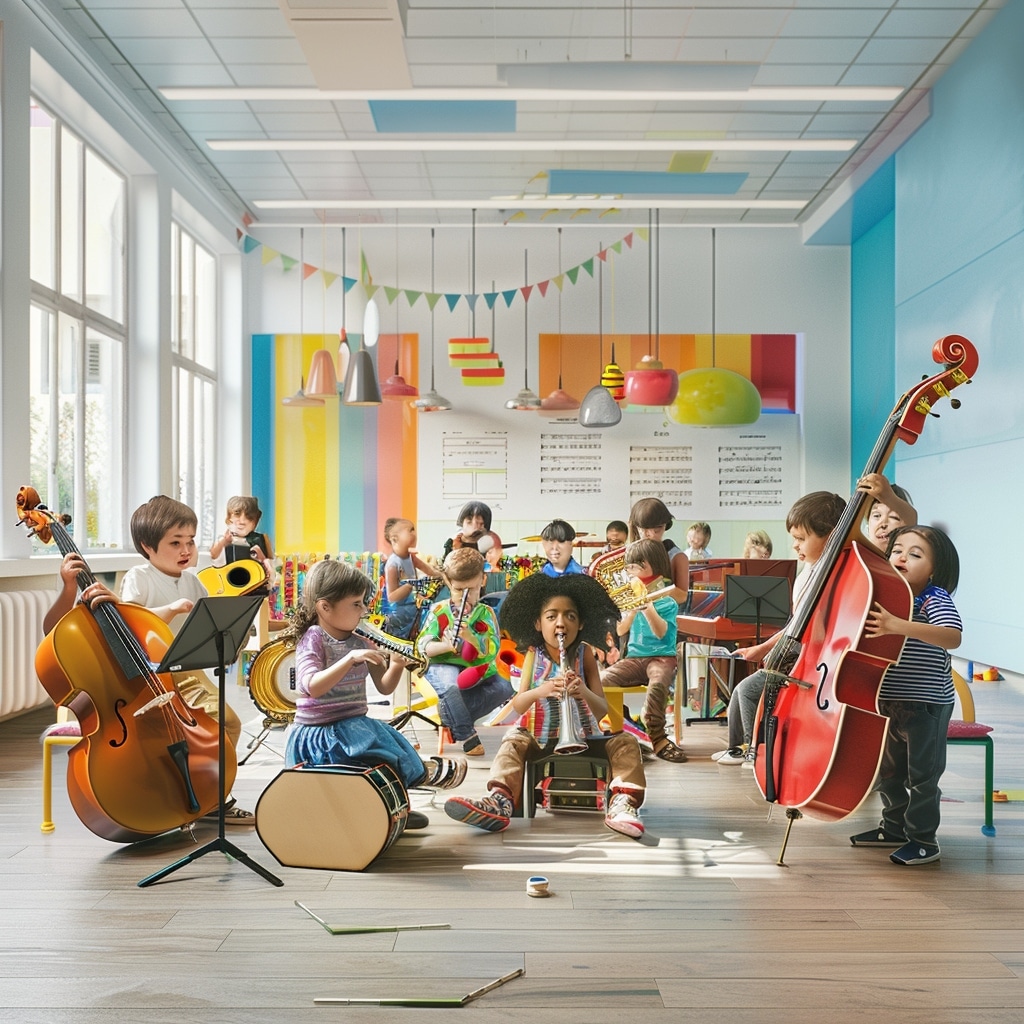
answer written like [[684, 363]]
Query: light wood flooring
[[695, 923]]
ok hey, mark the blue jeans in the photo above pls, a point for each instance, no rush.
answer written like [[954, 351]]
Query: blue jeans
[[461, 708], [400, 618]]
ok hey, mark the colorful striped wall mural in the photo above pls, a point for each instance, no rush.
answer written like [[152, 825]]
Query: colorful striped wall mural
[[317, 470]]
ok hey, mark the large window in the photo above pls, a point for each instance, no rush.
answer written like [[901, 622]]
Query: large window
[[78, 331], [194, 346]]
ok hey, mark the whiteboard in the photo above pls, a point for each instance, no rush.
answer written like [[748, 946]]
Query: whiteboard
[[538, 466]]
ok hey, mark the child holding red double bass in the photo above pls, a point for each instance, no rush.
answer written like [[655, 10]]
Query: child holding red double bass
[[460, 638]]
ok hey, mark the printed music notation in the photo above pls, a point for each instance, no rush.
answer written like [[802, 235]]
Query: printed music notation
[[571, 464], [662, 470], [750, 474], [474, 466]]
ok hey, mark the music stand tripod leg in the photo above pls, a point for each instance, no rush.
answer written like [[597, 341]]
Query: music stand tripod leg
[[221, 843]]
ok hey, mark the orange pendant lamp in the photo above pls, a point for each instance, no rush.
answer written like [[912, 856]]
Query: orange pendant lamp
[[559, 400]]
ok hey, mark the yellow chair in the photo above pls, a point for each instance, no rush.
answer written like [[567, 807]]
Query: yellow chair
[[65, 732], [966, 730]]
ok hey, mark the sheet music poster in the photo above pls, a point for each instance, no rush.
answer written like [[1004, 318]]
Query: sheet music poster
[[541, 467]]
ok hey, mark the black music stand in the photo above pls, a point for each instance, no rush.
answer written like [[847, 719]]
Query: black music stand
[[212, 635], [757, 599]]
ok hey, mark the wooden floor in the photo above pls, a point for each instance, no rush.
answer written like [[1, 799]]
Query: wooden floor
[[696, 923]]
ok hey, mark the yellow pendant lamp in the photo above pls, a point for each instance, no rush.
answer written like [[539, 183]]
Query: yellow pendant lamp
[[712, 396]]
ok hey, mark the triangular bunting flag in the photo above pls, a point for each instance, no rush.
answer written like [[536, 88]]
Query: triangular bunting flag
[[526, 289], [629, 240], [391, 293], [489, 298], [542, 287], [642, 232], [588, 266], [364, 269], [559, 281], [249, 244], [452, 299], [287, 262], [350, 283], [308, 270], [371, 290], [617, 246], [412, 296], [329, 278], [432, 298], [238, 234], [603, 254], [272, 254], [246, 219], [508, 296], [471, 301], [572, 273]]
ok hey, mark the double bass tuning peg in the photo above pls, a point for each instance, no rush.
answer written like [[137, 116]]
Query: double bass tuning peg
[[954, 403]]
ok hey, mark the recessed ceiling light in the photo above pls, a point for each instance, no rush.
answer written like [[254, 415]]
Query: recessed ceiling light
[[477, 145], [546, 203], [785, 94]]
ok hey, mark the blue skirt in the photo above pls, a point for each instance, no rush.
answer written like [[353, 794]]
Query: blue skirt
[[361, 740]]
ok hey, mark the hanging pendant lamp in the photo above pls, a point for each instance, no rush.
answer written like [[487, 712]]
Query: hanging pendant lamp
[[714, 397], [650, 383], [396, 388], [301, 398], [431, 401], [344, 349], [599, 408], [322, 381], [525, 400], [559, 400], [474, 356]]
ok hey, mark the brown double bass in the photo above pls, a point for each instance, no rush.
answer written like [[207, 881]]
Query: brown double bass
[[147, 762], [822, 735]]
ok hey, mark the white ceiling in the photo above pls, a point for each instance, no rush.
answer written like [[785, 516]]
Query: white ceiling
[[472, 45]]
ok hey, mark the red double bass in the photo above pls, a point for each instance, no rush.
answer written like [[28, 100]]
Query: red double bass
[[147, 762], [822, 733]]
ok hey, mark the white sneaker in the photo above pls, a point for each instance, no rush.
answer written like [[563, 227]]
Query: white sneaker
[[623, 817], [734, 755]]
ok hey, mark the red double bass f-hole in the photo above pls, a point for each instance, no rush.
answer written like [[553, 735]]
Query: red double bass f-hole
[[147, 762], [822, 735]]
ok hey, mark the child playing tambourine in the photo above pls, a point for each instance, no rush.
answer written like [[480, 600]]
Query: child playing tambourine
[[554, 621]]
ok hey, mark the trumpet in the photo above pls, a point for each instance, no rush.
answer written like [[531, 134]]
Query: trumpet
[[570, 729]]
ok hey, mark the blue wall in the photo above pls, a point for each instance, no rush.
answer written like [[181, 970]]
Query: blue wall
[[873, 388], [959, 243]]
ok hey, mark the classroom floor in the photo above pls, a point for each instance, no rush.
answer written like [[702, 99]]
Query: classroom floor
[[695, 923]]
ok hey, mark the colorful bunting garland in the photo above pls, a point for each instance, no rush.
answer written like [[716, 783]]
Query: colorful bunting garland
[[248, 244]]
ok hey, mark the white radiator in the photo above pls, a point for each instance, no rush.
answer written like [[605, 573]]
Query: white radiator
[[21, 630]]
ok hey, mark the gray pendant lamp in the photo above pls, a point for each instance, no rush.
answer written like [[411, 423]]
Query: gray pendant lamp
[[361, 387], [599, 408], [525, 400], [431, 401]]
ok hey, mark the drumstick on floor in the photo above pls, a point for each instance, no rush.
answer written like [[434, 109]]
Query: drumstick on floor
[[421, 1001], [362, 929]]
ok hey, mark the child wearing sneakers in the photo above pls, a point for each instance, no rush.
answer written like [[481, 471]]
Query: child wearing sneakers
[[810, 522], [916, 696], [331, 665], [460, 637], [554, 620]]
